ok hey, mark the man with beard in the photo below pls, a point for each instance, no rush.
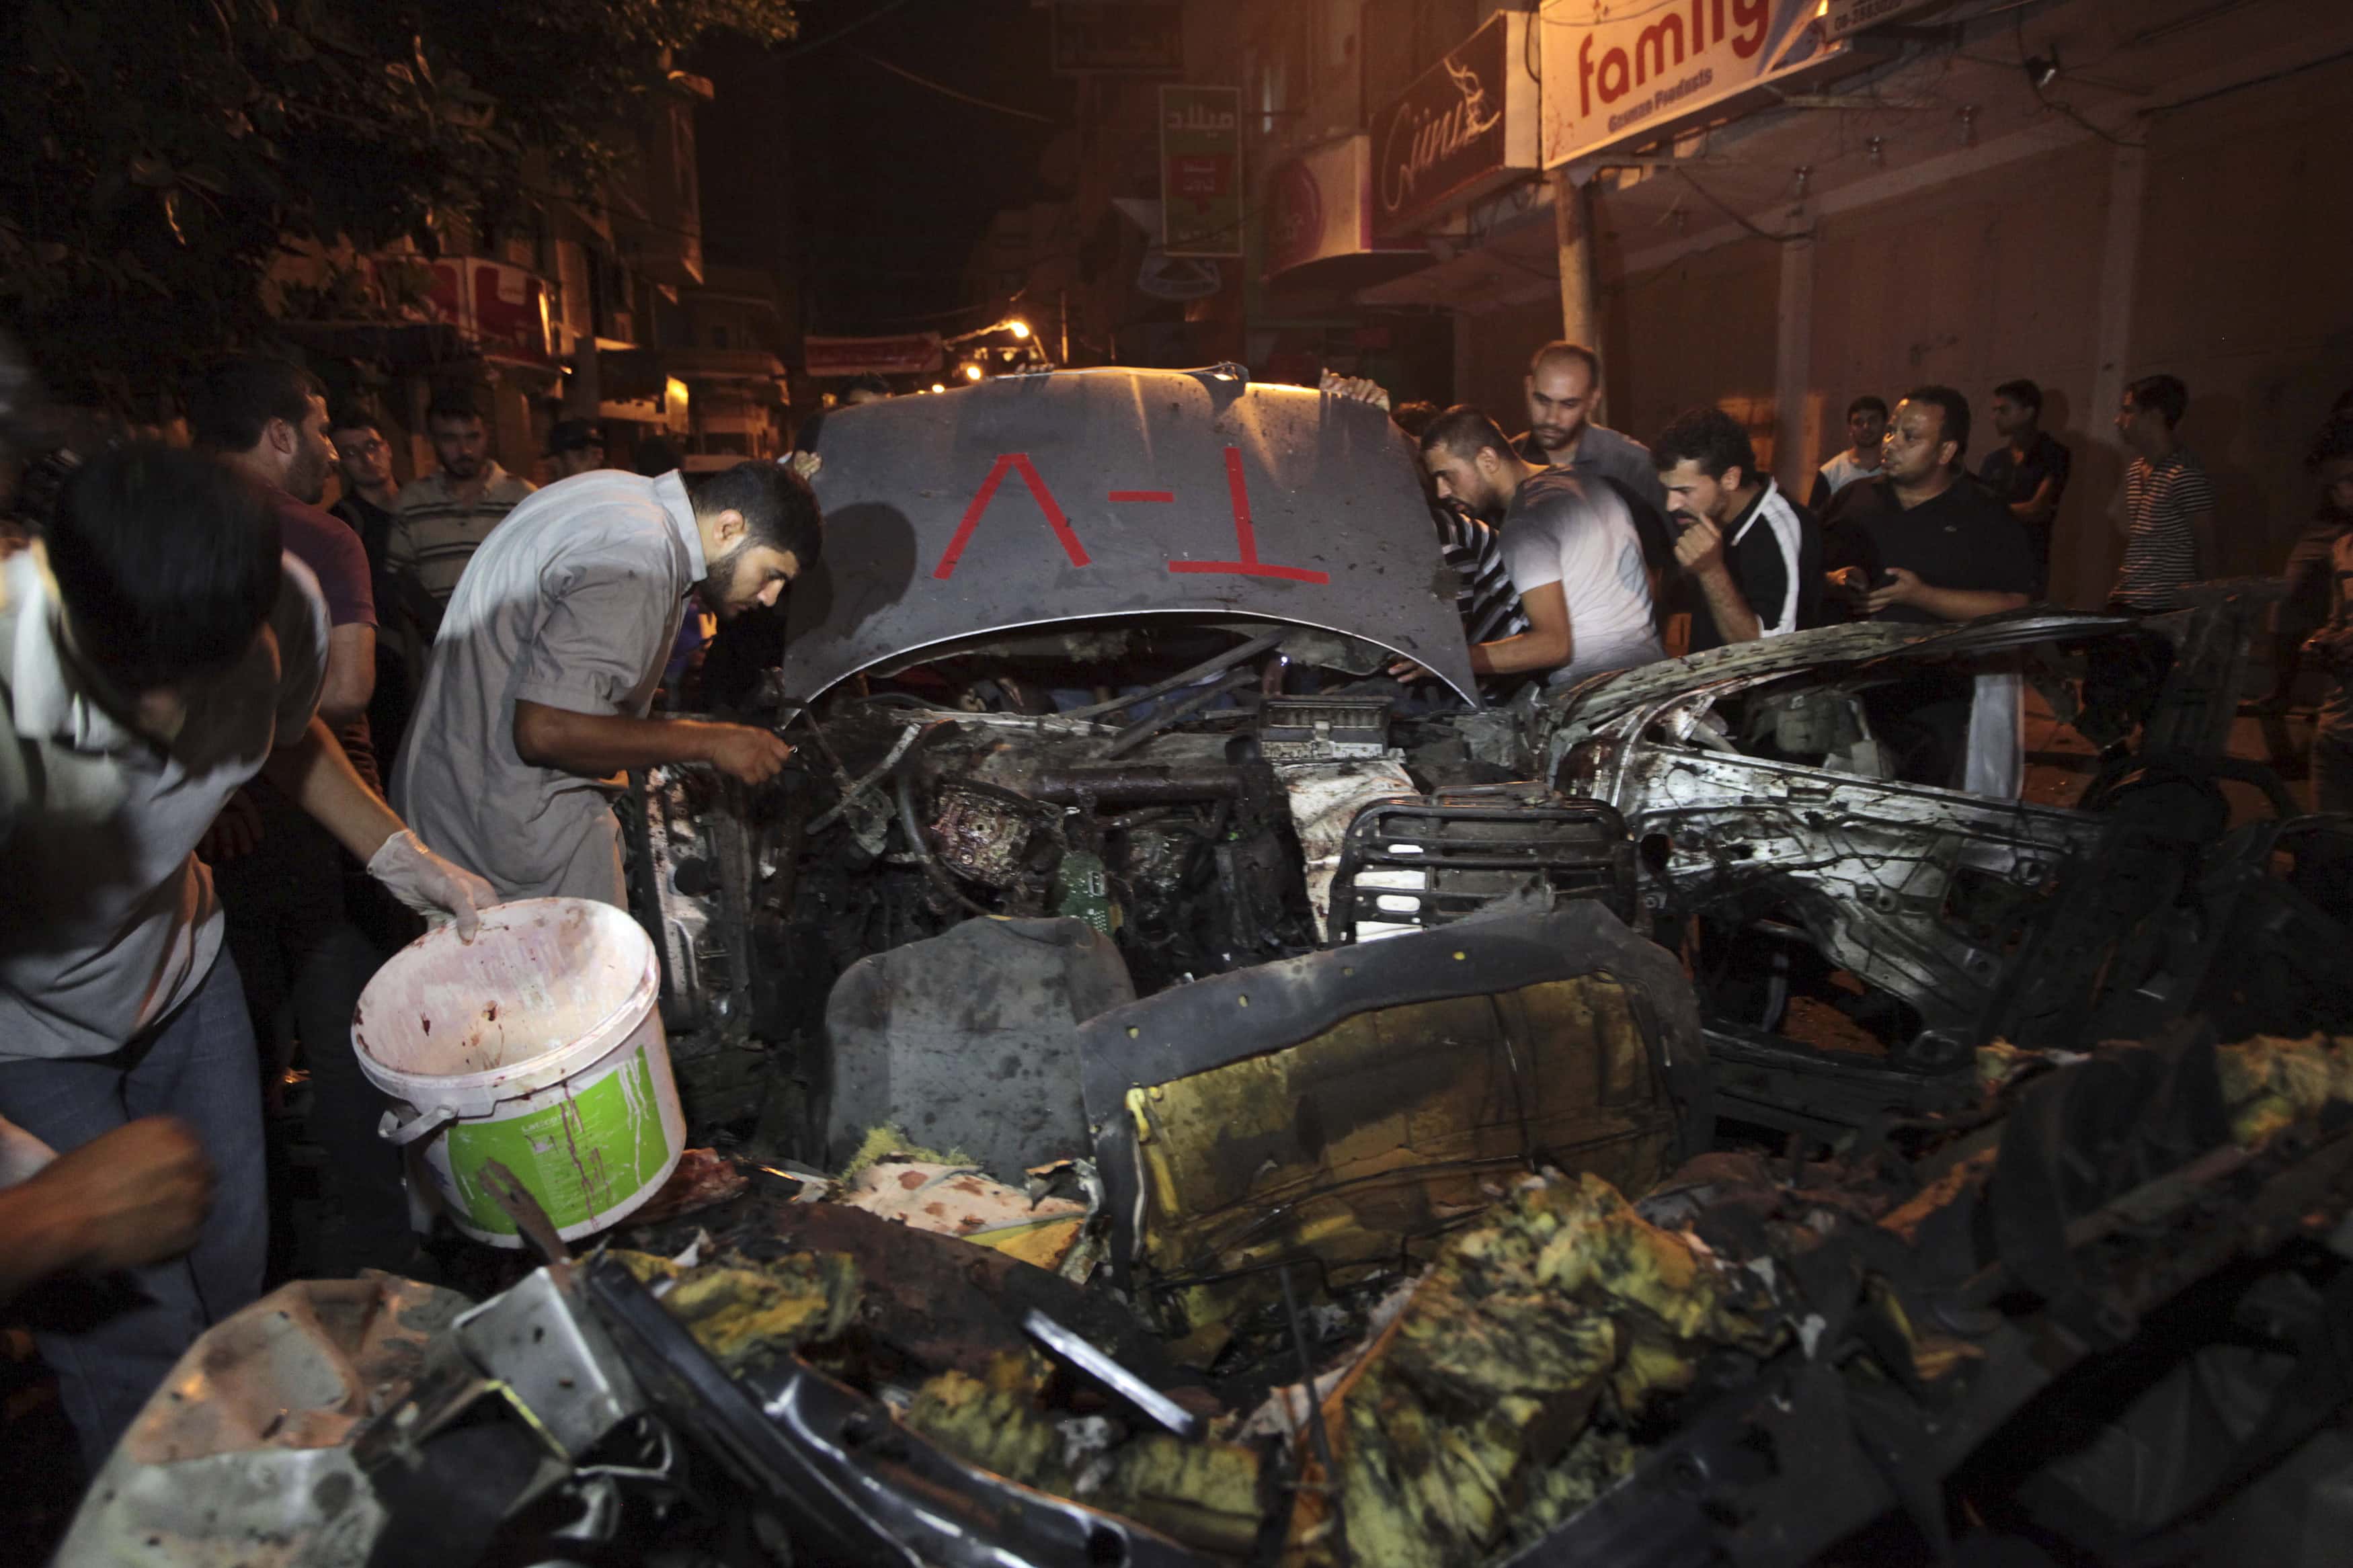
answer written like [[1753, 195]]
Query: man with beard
[[550, 653], [1755, 558], [1563, 386], [443, 517], [1570, 548], [281, 877], [268, 418], [1563, 383]]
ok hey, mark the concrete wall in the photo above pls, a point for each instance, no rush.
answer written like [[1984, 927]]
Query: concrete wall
[[2242, 291], [2226, 266], [1493, 364], [1970, 284], [2238, 283], [1700, 330]]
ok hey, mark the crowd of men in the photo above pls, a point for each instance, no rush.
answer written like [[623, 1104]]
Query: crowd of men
[[1578, 545], [241, 721], [212, 683]]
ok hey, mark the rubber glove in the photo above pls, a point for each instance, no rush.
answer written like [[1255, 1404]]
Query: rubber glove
[[437, 888]]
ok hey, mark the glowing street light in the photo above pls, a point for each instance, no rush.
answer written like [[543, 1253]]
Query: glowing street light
[[1018, 327], [972, 371]]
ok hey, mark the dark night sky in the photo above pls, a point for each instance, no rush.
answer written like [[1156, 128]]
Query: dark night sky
[[877, 187]]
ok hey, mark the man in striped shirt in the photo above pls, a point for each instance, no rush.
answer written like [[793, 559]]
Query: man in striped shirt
[[1485, 599], [1755, 556], [2168, 518], [441, 519]]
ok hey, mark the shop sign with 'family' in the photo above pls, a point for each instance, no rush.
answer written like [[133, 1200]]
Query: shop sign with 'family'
[[1620, 70]]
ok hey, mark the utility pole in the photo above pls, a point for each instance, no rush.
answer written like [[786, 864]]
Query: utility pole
[[1796, 419], [1572, 216]]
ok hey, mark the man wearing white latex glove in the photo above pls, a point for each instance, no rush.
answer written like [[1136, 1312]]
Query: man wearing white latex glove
[[158, 650], [438, 889]]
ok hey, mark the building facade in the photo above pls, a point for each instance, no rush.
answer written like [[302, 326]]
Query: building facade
[[1771, 205]]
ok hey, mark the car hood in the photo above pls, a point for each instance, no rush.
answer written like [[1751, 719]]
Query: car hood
[[1083, 495]]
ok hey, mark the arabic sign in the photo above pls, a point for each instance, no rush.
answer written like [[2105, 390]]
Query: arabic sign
[[1319, 205], [502, 308], [1853, 15], [1201, 171], [1615, 70], [1141, 38], [1466, 124], [911, 353], [1031, 501]]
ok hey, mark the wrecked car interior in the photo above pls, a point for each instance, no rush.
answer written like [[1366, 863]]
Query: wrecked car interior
[[1167, 1092]]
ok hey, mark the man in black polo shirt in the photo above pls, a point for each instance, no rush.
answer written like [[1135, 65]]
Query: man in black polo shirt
[[1921, 542], [2028, 472], [1754, 555]]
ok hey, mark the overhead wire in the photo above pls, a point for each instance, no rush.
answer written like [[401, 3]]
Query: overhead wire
[[876, 15], [947, 91], [1720, 205]]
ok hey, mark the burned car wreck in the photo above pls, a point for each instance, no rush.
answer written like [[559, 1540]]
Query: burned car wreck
[[1195, 1100], [2101, 1311], [1163, 713]]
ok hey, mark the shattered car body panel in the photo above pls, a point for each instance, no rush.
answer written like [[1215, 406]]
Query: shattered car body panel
[[1873, 868], [1981, 919], [1747, 1366], [1112, 494], [1344, 1110], [246, 1454]]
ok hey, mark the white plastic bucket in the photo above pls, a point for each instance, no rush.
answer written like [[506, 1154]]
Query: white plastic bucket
[[538, 1044]]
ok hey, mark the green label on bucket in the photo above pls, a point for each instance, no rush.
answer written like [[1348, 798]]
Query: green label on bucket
[[587, 1151]]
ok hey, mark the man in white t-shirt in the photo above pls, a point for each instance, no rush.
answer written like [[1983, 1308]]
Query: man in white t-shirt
[[1571, 548], [158, 650], [1867, 428]]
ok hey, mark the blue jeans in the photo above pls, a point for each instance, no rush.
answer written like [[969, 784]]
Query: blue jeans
[[198, 1065], [287, 907]]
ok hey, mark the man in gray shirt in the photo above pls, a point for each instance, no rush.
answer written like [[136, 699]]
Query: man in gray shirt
[[550, 653], [1564, 383], [157, 651]]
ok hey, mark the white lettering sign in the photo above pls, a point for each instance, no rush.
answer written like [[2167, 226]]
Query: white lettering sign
[[1612, 65]]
